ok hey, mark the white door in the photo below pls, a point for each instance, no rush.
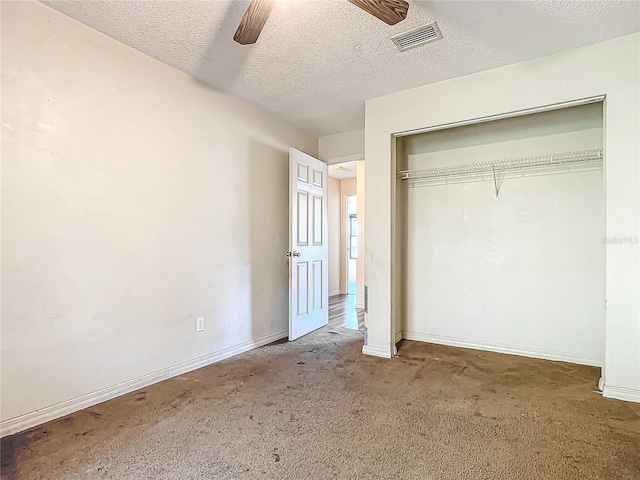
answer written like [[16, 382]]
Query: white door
[[308, 248]]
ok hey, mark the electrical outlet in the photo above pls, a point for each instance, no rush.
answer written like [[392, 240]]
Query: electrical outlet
[[199, 324]]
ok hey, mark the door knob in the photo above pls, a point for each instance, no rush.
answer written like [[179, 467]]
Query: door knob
[[293, 254]]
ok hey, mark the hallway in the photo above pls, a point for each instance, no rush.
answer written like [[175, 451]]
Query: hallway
[[343, 312]]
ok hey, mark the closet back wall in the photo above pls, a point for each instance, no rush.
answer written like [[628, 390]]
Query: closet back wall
[[524, 274]]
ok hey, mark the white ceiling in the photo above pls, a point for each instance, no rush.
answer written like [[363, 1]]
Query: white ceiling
[[316, 61], [343, 170]]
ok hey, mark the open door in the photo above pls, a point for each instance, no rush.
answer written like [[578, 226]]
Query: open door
[[308, 244]]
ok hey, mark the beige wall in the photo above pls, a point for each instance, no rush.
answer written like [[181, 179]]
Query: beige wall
[[341, 147], [610, 68], [134, 200], [333, 210]]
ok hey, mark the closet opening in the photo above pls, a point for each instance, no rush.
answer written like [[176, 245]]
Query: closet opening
[[499, 235]]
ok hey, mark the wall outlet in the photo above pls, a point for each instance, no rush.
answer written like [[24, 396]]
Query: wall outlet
[[199, 324]]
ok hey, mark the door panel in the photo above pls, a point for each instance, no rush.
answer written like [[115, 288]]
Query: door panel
[[317, 221], [316, 286], [308, 249], [317, 177], [303, 288], [303, 218]]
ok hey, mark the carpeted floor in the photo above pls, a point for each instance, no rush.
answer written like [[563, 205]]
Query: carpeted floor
[[318, 409]]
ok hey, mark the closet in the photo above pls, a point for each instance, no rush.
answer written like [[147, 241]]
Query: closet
[[499, 237]]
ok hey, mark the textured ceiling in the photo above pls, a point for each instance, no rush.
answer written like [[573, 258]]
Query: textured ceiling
[[318, 60], [343, 170]]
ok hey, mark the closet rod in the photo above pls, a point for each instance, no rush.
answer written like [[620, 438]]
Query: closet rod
[[580, 160]]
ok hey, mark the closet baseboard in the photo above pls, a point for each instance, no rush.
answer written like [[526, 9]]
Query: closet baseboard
[[621, 393], [508, 349]]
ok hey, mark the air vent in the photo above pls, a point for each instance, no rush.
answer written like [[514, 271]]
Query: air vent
[[417, 36]]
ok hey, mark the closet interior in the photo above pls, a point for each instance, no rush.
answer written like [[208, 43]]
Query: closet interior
[[499, 236]]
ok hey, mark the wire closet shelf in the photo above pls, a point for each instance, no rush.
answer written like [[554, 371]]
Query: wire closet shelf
[[553, 163]]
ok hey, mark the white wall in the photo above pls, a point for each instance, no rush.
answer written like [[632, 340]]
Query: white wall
[[333, 215], [341, 147], [610, 68], [134, 200], [524, 274]]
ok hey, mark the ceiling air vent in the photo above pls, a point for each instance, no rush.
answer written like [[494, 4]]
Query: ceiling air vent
[[417, 36]]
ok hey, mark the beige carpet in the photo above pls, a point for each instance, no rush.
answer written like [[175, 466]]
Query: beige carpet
[[318, 409]]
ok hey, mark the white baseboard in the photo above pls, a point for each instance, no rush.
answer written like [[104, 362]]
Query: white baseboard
[[621, 393], [398, 336], [334, 292], [376, 351], [360, 306], [509, 349], [43, 415]]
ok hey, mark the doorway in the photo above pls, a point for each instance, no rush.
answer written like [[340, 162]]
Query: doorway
[[344, 239], [352, 244]]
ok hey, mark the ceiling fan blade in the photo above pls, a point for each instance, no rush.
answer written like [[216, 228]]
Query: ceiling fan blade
[[389, 11], [252, 22]]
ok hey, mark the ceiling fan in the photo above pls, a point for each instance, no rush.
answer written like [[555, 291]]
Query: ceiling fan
[[389, 11]]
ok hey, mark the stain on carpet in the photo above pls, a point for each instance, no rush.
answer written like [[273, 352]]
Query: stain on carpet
[[316, 408]]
